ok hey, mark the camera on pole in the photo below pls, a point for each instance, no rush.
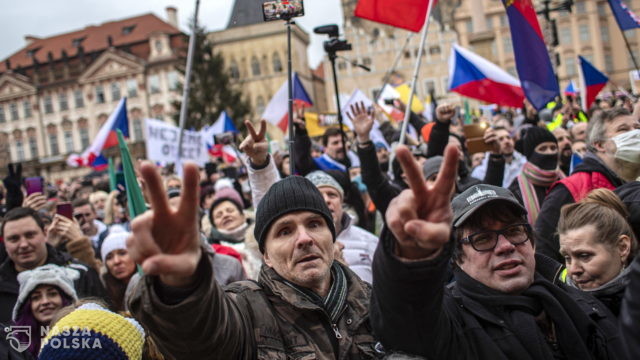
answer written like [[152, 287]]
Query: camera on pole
[[332, 46]]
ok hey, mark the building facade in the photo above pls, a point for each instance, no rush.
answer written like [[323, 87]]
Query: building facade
[[255, 53], [56, 92], [590, 30]]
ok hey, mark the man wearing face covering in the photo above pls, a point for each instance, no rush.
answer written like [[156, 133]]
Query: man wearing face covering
[[540, 171], [612, 159]]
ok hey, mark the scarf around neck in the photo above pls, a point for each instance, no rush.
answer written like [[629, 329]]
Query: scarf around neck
[[576, 334], [530, 177], [236, 235], [335, 300], [611, 293]]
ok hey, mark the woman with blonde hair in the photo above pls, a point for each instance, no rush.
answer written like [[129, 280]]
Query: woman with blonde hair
[[598, 244]]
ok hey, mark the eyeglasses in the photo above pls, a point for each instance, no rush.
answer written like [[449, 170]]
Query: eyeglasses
[[483, 241]]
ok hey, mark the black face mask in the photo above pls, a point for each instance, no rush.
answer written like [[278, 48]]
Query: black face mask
[[544, 161]]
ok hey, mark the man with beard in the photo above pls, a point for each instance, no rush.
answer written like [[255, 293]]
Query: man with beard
[[503, 163], [565, 149], [333, 157], [303, 303], [613, 158], [539, 172]]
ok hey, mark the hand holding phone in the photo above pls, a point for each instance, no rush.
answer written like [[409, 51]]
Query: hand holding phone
[[65, 209], [34, 185]]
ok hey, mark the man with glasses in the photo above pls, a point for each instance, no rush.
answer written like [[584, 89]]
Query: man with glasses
[[93, 228], [506, 302]]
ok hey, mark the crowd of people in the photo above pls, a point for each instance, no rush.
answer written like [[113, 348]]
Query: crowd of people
[[527, 250]]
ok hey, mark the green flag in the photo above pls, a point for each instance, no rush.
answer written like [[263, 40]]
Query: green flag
[[135, 200], [112, 175], [467, 113]]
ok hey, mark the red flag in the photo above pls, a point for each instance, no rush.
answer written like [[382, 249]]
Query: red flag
[[405, 14]]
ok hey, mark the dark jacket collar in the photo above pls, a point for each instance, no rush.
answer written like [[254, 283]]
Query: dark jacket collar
[[592, 163]]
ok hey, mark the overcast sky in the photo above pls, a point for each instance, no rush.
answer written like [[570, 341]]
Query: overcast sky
[[44, 18]]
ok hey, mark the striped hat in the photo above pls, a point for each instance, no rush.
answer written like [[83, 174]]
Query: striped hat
[[93, 332]]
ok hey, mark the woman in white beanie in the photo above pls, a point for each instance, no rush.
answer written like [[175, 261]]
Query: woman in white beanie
[[119, 267], [43, 291]]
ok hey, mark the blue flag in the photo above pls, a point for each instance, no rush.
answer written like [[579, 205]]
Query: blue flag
[[626, 19]]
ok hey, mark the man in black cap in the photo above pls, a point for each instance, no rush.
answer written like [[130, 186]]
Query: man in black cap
[[506, 302], [304, 302]]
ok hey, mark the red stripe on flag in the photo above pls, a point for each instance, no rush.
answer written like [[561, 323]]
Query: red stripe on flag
[[112, 140], [282, 124], [492, 92], [525, 7], [592, 93]]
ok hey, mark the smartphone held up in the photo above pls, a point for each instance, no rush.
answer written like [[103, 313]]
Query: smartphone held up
[[282, 9]]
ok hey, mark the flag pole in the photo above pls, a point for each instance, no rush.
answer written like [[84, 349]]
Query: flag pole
[[633, 57], [187, 81], [387, 76], [292, 166], [416, 72]]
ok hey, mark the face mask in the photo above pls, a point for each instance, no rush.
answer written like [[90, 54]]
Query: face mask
[[628, 146], [100, 214], [544, 161]]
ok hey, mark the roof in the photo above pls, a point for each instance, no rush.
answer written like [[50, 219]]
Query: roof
[[246, 12], [92, 38]]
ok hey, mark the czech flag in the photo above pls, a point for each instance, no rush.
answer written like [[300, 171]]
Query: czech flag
[[571, 90], [406, 14], [593, 81], [224, 124], [626, 19], [475, 77], [532, 59], [277, 111], [105, 139]]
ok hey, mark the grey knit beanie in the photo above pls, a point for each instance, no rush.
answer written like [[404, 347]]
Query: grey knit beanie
[[291, 194]]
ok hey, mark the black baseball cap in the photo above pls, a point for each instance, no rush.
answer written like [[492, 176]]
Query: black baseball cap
[[475, 197]]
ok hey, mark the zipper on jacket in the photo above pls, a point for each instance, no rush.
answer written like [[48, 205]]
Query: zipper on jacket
[[335, 330]]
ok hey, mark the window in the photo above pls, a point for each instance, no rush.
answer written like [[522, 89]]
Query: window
[[126, 30], [407, 55], [570, 65], [588, 57], [154, 84], [608, 63], [100, 99], [53, 143], [604, 33], [84, 137], [630, 34], [445, 82], [584, 33], [132, 88], [504, 20], [277, 63], [2, 118], [255, 66], [48, 105], [78, 98], [581, 7], [26, 106], [366, 61], [19, 150], [469, 26], [158, 45], [342, 65], [602, 9], [434, 50], [489, 24], [115, 91], [62, 101], [429, 86], [260, 105], [565, 36], [507, 44], [137, 129], [68, 140], [33, 147], [234, 70], [13, 109], [172, 78]]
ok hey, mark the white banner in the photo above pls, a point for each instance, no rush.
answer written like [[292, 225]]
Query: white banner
[[162, 144]]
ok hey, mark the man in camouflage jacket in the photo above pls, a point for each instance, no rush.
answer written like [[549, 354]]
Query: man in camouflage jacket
[[304, 306]]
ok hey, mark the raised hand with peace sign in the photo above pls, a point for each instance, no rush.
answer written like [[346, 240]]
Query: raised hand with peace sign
[[420, 217], [165, 240], [255, 145]]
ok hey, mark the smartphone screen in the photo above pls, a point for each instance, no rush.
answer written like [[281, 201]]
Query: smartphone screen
[[65, 209], [282, 9], [34, 185]]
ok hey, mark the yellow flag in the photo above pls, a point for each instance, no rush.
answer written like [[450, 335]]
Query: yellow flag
[[404, 91]]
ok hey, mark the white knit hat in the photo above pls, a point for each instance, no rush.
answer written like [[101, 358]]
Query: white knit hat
[[116, 240], [49, 274]]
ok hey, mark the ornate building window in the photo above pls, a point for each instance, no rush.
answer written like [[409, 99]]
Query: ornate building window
[[234, 70], [255, 66], [115, 92], [277, 63]]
